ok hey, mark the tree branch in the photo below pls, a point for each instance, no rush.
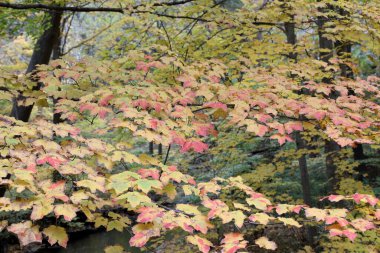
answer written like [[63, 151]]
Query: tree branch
[[59, 8], [88, 39], [82, 9]]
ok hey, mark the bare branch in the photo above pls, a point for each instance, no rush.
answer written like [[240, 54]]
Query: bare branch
[[88, 39]]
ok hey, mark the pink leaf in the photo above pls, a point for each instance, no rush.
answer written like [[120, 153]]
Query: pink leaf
[[350, 234], [144, 173], [216, 105]]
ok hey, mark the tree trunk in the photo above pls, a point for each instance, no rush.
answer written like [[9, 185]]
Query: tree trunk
[[331, 147], [341, 49], [151, 148], [302, 161], [56, 54], [300, 143], [160, 149], [41, 55]]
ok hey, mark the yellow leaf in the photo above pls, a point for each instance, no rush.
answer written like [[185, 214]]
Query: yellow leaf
[[290, 221], [170, 190], [114, 249], [263, 242], [188, 209], [68, 211], [56, 235]]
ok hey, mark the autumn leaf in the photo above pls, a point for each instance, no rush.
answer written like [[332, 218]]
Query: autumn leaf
[[56, 235], [238, 216], [149, 214], [290, 221], [135, 198], [263, 242], [232, 242], [204, 245], [26, 232], [261, 218], [68, 211], [114, 249]]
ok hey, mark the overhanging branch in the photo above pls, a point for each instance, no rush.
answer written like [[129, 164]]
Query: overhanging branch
[[59, 8], [83, 9], [128, 9]]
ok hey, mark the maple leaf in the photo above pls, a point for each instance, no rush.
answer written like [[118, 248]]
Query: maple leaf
[[135, 198], [258, 129], [281, 138], [56, 235], [377, 214], [204, 130], [290, 221], [139, 240], [146, 185], [54, 161], [334, 198], [263, 242], [170, 191], [259, 203], [232, 242], [114, 249], [41, 209], [142, 234], [149, 214], [201, 223], [319, 214], [365, 198], [117, 225], [101, 221], [350, 234], [261, 218], [362, 225], [241, 207], [188, 209], [26, 232], [55, 190], [78, 196], [68, 211], [339, 213], [216, 105], [217, 207], [291, 126], [204, 245], [238, 216], [92, 185]]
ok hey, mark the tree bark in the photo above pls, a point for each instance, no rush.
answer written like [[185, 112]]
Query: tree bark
[[151, 148], [302, 161], [341, 49], [160, 149], [56, 54], [41, 55], [331, 147], [291, 37]]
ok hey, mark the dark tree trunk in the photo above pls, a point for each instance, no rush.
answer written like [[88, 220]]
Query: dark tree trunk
[[291, 37], [41, 55], [342, 49], [160, 149], [151, 148], [331, 147], [56, 54], [302, 161]]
